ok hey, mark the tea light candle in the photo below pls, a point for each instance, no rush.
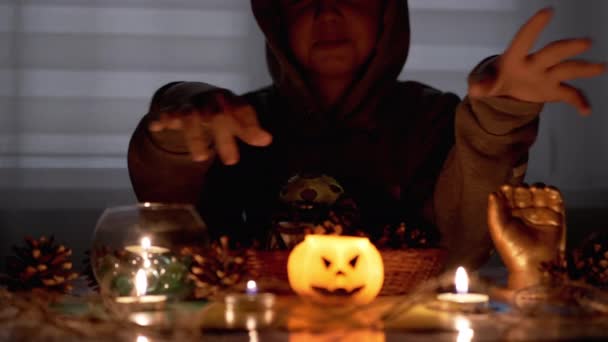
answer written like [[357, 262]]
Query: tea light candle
[[251, 300], [462, 300], [249, 310], [145, 248]]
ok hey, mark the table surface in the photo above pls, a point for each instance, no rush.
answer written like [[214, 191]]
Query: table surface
[[30, 317], [22, 317]]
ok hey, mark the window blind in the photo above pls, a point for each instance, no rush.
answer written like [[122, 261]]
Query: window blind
[[77, 75]]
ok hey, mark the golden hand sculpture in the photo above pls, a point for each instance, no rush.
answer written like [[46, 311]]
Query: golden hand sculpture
[[528, 226]]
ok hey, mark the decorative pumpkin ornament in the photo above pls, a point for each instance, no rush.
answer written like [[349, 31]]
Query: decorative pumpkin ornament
[[336, 269]]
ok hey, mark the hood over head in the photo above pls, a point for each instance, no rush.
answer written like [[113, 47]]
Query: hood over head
[[363, 96]]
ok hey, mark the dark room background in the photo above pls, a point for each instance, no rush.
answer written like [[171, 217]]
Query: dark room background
[[77, 75]]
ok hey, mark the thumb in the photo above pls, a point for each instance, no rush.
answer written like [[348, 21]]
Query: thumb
[[498, 216], [483, 88]]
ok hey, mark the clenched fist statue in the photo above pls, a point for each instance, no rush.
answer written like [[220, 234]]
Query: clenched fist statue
[[528, 226]]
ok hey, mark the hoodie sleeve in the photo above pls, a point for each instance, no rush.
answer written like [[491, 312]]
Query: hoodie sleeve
[[492, 140], [160, 166]]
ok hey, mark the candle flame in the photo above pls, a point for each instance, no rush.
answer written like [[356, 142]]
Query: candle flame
[[141, 283], [461, 280], [252, 287], [146, 243], [141, 338]]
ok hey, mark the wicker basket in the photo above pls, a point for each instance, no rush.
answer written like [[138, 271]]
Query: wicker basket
[[404, 270]]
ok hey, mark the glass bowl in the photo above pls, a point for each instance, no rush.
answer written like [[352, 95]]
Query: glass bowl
[[138, 252]]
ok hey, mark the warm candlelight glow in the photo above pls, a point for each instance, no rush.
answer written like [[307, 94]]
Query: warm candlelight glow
[[146, 243], [141, 283], [141, 338], [465, 333], [336, 270], [251, 323], [252, 287], [145, 248], [461, 280], [462, 300]]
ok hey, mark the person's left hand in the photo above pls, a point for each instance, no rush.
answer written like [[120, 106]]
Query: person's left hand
[[539, 77]]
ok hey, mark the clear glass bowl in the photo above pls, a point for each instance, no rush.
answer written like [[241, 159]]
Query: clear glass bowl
[[138, 251]]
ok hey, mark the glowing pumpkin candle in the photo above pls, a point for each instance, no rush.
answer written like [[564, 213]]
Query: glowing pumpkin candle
[[336, 269]]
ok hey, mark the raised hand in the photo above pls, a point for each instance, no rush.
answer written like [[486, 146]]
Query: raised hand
[[539, 77], [213, 121], [528, 227]]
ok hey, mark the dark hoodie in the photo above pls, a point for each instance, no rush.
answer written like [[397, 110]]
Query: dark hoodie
[[404, 151]]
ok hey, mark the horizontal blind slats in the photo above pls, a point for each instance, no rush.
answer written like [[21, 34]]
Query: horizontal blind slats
[[142, 21], [87, 70]]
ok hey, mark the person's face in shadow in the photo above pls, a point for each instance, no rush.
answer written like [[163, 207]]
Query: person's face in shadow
[[332, 38]]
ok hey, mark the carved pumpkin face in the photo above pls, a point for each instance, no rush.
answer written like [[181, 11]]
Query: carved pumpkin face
[[336, 269]]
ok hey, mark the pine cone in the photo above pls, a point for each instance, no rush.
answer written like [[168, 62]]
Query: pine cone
[[41, 264], [216, 269], [591, 260]]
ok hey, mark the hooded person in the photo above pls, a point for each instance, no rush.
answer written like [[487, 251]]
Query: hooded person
[[403, 150]]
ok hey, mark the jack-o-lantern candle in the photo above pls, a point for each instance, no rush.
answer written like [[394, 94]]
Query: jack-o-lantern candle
[[336, 269]]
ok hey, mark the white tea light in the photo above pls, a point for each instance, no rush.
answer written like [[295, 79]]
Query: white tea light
[[462, 300], [251, 300], [249, 310], [145, 248]]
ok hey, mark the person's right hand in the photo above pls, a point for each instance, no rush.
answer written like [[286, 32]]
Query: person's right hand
[[213, 120]]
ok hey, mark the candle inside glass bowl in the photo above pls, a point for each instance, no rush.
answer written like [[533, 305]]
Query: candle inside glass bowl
[[151, 237], [145, 248], [463, 300]]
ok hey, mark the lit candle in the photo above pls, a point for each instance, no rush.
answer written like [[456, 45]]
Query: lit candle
[[145, 248], [251, 299], [251, 309], [462, 300], [252, 288]]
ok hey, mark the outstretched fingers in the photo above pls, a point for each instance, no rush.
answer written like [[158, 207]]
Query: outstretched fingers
[[197, 138], [574, 97], [225, 129], [560, 50], [250, 131], [573, 69], [527, 36]]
